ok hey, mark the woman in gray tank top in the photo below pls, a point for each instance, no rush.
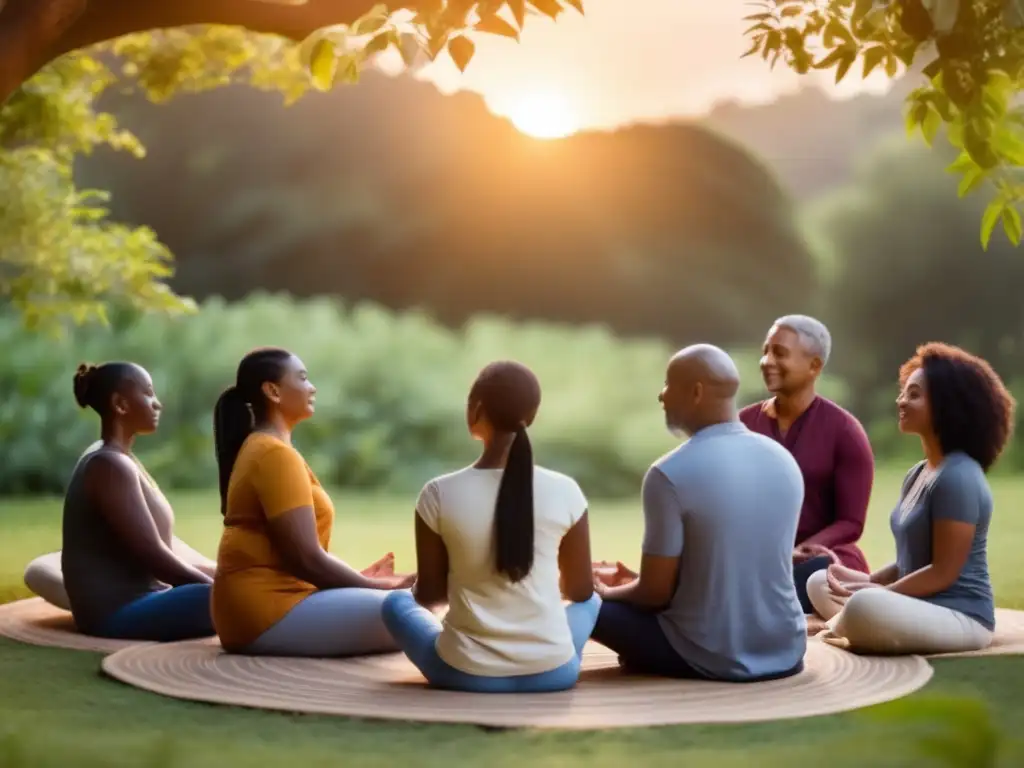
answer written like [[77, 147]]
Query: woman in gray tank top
[[937, 596], [121, 575]]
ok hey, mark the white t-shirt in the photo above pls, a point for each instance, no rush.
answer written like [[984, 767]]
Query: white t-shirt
[[495, 628]]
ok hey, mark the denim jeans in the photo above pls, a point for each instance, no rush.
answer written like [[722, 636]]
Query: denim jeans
[[416, 630]]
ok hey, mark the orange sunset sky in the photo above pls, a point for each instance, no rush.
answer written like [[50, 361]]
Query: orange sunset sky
[[625, 61]]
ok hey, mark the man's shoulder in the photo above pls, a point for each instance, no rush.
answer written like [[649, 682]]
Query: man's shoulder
[[837, 413], [749, 413]]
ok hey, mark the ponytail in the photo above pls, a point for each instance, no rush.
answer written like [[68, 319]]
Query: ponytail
[[232, 424], [513, 513]]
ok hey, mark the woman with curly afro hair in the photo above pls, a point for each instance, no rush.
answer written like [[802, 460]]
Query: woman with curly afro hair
[[937, 596]]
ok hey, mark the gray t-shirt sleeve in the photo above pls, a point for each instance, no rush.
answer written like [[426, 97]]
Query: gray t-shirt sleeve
[[663, 516], [957, 494]]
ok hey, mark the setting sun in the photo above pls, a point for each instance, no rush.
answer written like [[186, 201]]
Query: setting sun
[[544, 115]]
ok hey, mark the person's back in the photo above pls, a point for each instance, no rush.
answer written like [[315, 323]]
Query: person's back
[[502, 542], [100, 574], [494, 626], [735, 613]]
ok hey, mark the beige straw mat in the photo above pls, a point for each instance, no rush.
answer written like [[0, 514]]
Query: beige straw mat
[[1008, 639], [389, 687], [36, 622]]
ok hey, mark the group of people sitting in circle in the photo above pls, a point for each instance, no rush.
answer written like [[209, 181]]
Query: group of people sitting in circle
[[750, 530]]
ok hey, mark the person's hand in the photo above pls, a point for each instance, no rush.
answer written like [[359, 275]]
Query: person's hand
[[807, 551], [613, 574], [383, 567], [838, 576]]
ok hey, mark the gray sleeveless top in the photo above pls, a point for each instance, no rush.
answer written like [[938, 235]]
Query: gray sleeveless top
[[100, 574]]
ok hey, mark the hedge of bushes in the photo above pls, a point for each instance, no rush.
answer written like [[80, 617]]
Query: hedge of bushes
[[390, 402]]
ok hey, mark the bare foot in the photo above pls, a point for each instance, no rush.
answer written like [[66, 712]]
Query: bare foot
[[815, 625]]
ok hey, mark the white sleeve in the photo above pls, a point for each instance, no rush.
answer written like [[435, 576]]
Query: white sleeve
[[576, 501], [428, 506]]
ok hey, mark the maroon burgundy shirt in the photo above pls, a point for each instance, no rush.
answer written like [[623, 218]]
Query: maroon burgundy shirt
[[835, 458]]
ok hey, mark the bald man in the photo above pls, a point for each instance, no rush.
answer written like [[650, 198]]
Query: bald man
[[714, 598]]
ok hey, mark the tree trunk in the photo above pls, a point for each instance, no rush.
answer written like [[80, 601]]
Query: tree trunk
[[35, 32]]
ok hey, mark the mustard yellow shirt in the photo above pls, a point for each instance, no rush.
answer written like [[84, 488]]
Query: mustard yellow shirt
[[253, 588]]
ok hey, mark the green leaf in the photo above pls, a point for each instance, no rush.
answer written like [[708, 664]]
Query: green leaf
[[381, 43], [790, 11], [1009, 144], [892, 65], [873, 56], [495, 25], [988, 220], [755, 46], [461, 49], [962, 164], [845, 63], [930, 125], [518, 8], [971, 180], [371, 21], [409, 46], [1010, 217], [347, 72], [550, 8], [322, 64]]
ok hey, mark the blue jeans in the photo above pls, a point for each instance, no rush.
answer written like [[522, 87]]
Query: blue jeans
[[416, 629], [178, 613]]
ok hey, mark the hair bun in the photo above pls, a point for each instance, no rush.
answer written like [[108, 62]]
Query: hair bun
[[82, 381]]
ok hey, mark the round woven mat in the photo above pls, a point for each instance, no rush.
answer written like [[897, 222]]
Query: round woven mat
[[389, 687], [1008, 640], [36, 622]]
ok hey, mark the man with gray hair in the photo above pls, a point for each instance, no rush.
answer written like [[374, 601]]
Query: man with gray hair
[[828, 443]]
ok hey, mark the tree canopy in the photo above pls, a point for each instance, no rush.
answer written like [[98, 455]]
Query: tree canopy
[[974, 51], [61, 256]]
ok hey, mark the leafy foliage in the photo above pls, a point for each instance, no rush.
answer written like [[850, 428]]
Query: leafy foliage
[[391, 399], [61, 257], [976, 49], [59, 254], [336, 54]]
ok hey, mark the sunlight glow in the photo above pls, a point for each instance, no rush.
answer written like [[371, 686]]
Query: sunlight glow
[[544, 115]]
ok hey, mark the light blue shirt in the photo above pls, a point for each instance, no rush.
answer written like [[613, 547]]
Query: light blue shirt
[[727, 504]]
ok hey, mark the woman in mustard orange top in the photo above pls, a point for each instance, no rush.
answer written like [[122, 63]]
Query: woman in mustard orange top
[[277, 590]]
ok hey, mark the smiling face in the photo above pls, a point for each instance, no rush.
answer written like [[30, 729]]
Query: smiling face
[[786, 364], [914, 408], [293, 394]]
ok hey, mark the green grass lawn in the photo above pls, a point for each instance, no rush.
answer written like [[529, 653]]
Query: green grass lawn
[[55, 709]]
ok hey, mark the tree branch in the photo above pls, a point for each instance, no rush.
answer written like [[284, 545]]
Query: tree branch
[[35, 32], [28, 29]]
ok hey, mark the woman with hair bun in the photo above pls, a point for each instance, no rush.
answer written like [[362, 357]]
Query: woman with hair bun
[[502, 542], [278, 591], [120, 572]]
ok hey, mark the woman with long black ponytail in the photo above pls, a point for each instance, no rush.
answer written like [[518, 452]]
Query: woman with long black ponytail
[[502, 542], [278, 591]]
